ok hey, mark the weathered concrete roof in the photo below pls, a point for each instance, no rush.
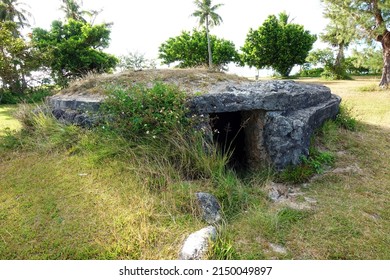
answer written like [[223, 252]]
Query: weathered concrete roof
[[267, 95], [227, 97]]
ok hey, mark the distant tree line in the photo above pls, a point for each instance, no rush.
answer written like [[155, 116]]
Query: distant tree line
[[71, 49], [74, 46], [363, 23]]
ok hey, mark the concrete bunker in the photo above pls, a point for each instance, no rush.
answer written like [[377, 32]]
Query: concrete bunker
[[263, 123]]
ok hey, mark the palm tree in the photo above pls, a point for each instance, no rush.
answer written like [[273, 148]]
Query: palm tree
[[12, 10], [208, 17], [73, 10]]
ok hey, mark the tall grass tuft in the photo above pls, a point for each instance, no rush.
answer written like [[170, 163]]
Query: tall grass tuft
[[45, 132], [345, 118]]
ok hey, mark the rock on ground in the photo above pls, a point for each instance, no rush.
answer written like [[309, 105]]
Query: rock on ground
[[197, 243], [210, 207]]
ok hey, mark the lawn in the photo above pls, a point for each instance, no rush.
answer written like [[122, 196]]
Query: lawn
[[66, 193], [6, 118]]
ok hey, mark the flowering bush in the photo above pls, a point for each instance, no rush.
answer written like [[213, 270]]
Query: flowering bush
[[140, 110]]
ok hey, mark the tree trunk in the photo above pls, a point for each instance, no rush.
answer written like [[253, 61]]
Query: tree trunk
[[339, 63], [385, 40], [340, 56], [209, 44]]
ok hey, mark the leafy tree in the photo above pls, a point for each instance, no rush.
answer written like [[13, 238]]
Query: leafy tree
[[12, 10], [372, 18], [339, 33], [324, 60], [191, 50], [17, 59], [321, 57], [277, 44], [134, 61], [317, 62], [209, 18], [366, 61], [74, 49]]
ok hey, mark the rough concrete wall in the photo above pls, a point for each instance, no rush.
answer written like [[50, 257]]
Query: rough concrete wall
[[256, 153], [287, 134]]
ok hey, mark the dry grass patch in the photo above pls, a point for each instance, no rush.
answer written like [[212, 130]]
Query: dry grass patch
[[190, 80], [369, 102], [352, 214]]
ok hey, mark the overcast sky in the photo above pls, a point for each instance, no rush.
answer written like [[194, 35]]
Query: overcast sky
[[142, 25]]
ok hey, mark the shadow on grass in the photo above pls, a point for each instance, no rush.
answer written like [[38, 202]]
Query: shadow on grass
[[351, 217]]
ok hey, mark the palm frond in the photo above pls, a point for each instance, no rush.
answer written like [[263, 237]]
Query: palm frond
[[12, 10], [207, 11]]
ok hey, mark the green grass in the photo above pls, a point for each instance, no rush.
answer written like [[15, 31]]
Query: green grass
[[66, 193], [62, 208], [7, 121], [66, 202]]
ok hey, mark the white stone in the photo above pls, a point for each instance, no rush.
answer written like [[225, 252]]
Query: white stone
[[197, 243]]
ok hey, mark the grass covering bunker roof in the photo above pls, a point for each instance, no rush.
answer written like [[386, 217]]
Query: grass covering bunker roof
[[189, 80]]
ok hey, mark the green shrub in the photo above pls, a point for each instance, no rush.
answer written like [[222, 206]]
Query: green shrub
[[345, 118], [33, 95], [37, 95], [143, 111], [309, 166], [315, 72], [7, 97], [334, 73]]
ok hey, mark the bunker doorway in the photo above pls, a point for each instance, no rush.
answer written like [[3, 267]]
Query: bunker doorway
[[241, 134], [229, 135]]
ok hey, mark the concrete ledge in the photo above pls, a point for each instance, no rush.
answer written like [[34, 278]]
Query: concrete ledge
[[287, 134], [76, 102]]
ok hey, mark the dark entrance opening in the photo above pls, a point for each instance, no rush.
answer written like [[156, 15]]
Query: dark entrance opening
[[229, 135]]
